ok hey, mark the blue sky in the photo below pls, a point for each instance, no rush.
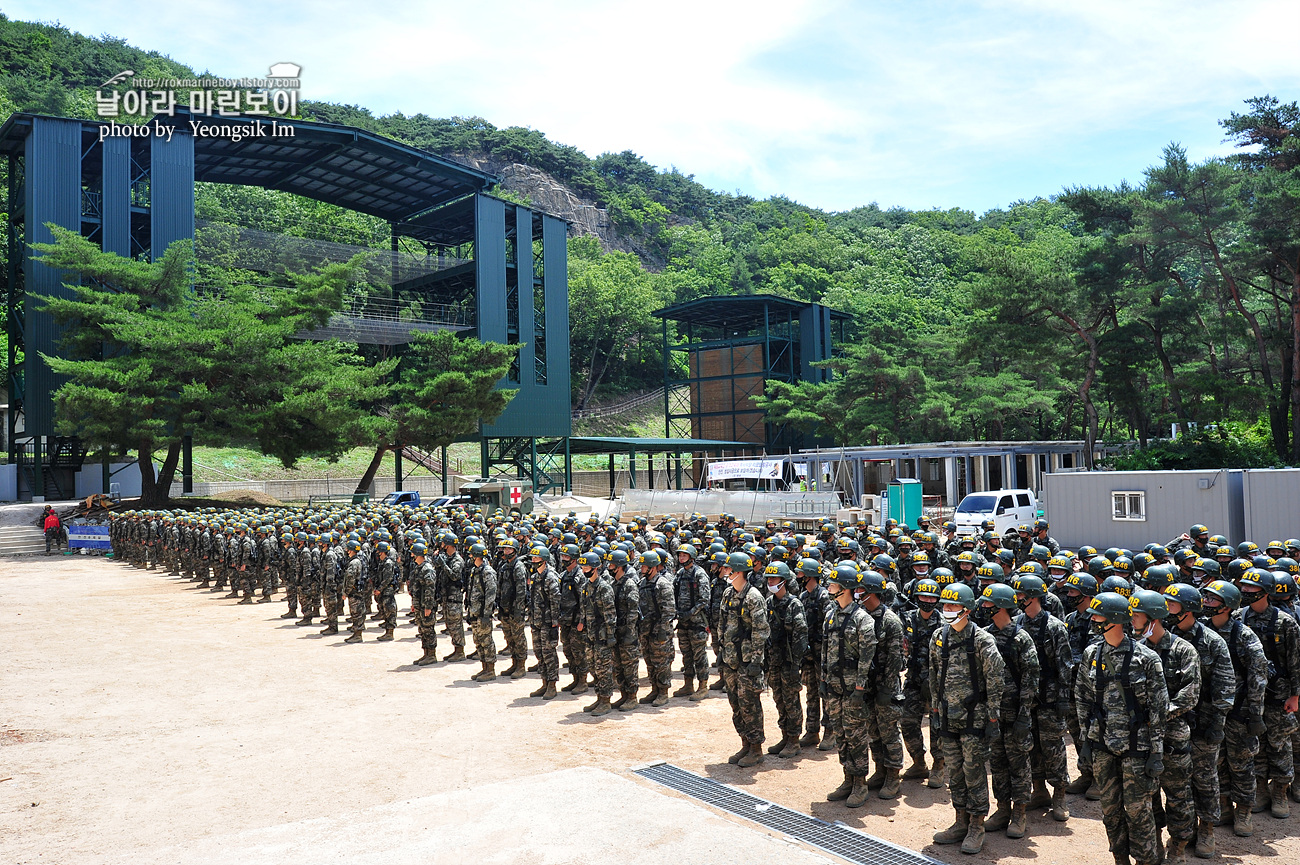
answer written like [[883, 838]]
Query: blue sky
[[835, 104]]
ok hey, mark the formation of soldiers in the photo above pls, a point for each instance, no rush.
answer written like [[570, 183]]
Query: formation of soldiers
[[1175, 670]]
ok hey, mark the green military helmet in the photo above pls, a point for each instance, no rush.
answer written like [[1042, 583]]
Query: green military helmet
[[1111, 554], [1210, 568], [1287, 565], [618, 559], [920, 557], [778, 569], [419, 549], [477, 551], [538, 551], [570, 551], [990, 571], [846, 575], [300, 536], [1235, 569], [1247, 549], [1225, 592], [1254, 584], [872, 583], [1149, 603], [943, 576], [926, 588], [1007, 559], [1116, 584], [965, 557], [1275, 549], [1158, 577], [741, 562], [810, 569], [1111, 606], [1087, 552], [1033, 568], [353, 546], [958, 593], [1223, 553], [717, 557], [1123, 567], [687, 550], [1001, 596], [1100, 567], [1084, 584], [1029, 585], [884, 563], [1040, 553], [383, 547], [1186, 596], [590, 560], [1142, 561], [1284, 588], [1058, 562], [650, 559]]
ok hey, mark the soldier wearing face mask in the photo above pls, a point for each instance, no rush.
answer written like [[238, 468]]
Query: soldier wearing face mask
[[1052, 642], [919, 626]]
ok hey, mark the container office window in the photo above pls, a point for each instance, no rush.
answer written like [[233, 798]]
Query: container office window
[[1129, 505]]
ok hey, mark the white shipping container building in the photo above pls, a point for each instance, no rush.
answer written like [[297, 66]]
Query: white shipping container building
[[1131, 509]]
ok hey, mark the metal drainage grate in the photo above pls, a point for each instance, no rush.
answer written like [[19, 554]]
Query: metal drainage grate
[[836, 838]]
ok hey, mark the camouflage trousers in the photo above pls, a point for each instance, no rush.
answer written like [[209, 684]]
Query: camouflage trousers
[[1205, 780], [484, 645], [516, 641], [453, 615], [600, 661], [331, 603], [658, 653], [548, 661], [248, 580], [428, 629], [386, 607], [291, 593], [1076, 736], [1126, 804], [964, 756], [693, 643], [886, 739], [307, 593], [1275, 761], [220, 574], [576, 650], [816, 716], [268, 578], [1176, 784], [848, 716], [627, 663], [1009, 762], [743, 693], [1237, 762], [785, 684], [357, 613], [916, 705], [1048, 758]]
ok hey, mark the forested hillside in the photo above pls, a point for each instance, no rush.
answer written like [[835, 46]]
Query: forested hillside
[[1086, 313]]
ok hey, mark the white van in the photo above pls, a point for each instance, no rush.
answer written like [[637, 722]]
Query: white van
[[1007, 508]]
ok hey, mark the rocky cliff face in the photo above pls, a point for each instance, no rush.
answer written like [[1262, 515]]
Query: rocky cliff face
[[548, 194]]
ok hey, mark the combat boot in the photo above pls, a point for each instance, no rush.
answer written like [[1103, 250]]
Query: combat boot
[[791, 749], [889, 789], [581, 683], [330, 628], [974, 841], [877, 777], [1280, 807], [700, 692], [744, 749], [429, 657], [840, 793], [859, 794], [569, 687], [355, 638], [387, 636], [718, 685], [518, 670], [1079, 785], [550, 693], [246, 600], [1093, 793], [231, 595], [205, 584], [590, 706], [601, 707], [540, 691], [687, 688], [628, 703], [1241, 822], [458, 655], [1016, 828], [1040, 798], [936, 775], [472, 656], [1261, 796], [776, 749], [1225, 812], [957, 831], [650, 697], [292, 614], [753, 758], [918, 769], [1176, 852], [622, 698], [810, 738], [828, 741], [305, 620], [1060, 813], [660, 700], [1204, 839], [488, 673], [535, 668], [998, 820]]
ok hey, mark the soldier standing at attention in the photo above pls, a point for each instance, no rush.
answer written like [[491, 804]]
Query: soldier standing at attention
[[966, 677], [786, 647], [658, 610], [848, 648], [1052, 642], [385, 590], [482, 603], [1123, 703], [544, 612], [691, 586], [919, 626], [1009, 751], [288, 559], [885, 686], [573, 637], [424, 600], [354, 587], [744, 635], [449, 591], [627, 643], [598, 630], [512, 599], [816, 604]]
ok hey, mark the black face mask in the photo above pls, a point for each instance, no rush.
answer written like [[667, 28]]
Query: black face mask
[[1099, 628], [926, 605], [1248, 598], [1022, 603], [982, 616]]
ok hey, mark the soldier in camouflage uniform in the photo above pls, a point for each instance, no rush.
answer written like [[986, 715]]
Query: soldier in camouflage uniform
[[1079, 591], [288, 559], [424, 600], [544, 613], [1280, 637], [658, 610], [816, 604], [331, 582], [512, 601], [1009, 751], [884, 693], [1245, 723], [848, 650], [354, 588], [245, 563], [482, 604], [919, 626], [1052, 643], [387, 580], [717, 588], [449, 593], [692, 591], [786, 646], [627, 636], [1218, 686], [268, 561], [1182, 670], [1122, 703], [599, 629], [573, 637], [744, 636], [967, 678]]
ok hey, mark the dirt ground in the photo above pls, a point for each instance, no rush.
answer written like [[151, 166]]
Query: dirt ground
[[137, 713]]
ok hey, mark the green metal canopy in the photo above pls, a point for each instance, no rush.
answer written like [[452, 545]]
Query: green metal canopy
[[611, 445]]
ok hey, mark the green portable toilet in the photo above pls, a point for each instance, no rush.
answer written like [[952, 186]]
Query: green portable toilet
[[905, 500]]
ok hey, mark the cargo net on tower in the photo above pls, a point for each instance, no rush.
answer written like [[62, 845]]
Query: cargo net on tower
[[393, 291]]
